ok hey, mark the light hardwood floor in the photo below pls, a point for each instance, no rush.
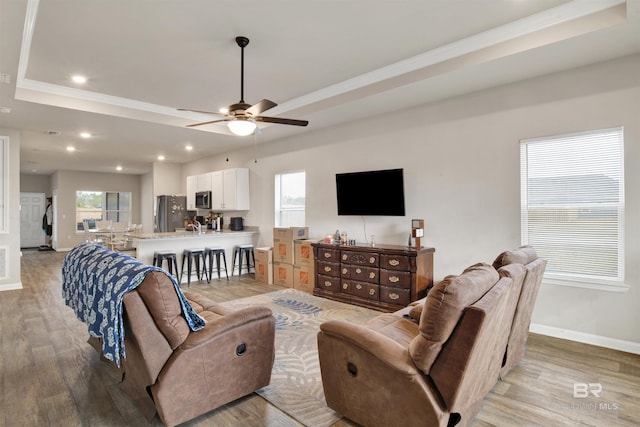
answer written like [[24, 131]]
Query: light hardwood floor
[[50, 376]]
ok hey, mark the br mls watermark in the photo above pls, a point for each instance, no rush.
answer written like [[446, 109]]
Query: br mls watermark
[[583, 390], [589, 391]]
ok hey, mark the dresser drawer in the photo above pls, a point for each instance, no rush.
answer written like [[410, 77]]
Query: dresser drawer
[[360, 258], [361, 289], [328, 255], [363, 274], [328, 283], [395, 295], [395, 262], [328, 268], [395, 278]]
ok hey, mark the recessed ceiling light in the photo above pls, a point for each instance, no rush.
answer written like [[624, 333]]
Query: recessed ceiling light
[[161, 157], [188, 147], [71, 148], [85, 135], [118, 168], [79, 79]]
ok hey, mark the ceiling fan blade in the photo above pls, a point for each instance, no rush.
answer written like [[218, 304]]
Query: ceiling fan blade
[[202, 112], [261, 106], [281, 121], [208, 123]]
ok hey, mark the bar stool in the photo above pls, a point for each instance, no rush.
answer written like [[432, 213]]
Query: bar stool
[[209, 253], [239, 251], [160, 256], [191, 255]]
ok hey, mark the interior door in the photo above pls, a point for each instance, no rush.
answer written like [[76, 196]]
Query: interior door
[[31, 212]]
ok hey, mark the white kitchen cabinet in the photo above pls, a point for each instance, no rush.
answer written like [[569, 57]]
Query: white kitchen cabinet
[[192, 182], [230, 190], [203, 182]]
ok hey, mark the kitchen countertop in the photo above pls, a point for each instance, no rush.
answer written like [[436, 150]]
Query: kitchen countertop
[[205, 233]]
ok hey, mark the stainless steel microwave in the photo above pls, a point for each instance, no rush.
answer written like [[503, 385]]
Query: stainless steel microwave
[[203, 200]]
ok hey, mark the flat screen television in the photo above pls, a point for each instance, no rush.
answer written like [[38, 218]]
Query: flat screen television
[[376, 193]]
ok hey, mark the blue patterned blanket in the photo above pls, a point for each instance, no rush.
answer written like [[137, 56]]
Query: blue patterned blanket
[[94, 283]]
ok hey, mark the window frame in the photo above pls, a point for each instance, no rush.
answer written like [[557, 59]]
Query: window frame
[[103, 208], [278, 220], [589, 281]]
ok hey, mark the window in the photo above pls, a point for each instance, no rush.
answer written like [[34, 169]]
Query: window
[[290, 199], [573, 206], [95, 206]]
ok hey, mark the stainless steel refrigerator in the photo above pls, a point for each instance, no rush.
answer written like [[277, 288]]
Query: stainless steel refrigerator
[[170, 213]]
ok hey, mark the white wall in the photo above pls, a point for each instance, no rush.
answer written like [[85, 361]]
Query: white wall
[[66, 183], [462, 175]]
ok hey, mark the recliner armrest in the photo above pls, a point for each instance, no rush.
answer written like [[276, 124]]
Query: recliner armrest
[[368, 340], [225, 323]]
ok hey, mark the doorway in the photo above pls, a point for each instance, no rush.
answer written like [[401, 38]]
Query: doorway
[[32, 208]]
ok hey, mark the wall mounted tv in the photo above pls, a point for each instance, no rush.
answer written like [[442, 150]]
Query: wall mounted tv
[[379, 193]]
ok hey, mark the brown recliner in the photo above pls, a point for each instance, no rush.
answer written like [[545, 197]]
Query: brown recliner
[[395, 371], [535, 266], [181, 374]]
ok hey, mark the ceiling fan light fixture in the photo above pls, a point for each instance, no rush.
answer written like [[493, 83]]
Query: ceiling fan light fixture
[[241, 127]]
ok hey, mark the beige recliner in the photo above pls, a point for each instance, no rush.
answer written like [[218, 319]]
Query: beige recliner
[[435, 372], [180, 373], [535, 266]]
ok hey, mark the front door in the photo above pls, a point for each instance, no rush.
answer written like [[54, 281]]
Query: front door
[[31, 212]]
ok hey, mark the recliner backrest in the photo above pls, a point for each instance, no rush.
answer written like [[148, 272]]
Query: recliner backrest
[[159, 295], [443, 308], [535, 267], [469, 363], [154, 326]]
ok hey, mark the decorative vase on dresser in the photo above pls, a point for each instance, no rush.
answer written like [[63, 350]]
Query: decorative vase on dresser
[[381, 277]]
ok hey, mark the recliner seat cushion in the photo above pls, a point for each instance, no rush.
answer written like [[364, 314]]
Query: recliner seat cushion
[[444, 307]]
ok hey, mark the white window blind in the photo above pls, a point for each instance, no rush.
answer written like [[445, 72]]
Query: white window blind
[[573, 205]]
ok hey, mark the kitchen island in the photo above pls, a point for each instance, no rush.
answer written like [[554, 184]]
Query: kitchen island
[[148, 243]]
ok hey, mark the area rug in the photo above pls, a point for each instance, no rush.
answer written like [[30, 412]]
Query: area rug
[[296, 384]]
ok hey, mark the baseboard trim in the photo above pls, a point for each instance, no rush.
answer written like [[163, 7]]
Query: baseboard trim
[[11, 286], [612, 343]]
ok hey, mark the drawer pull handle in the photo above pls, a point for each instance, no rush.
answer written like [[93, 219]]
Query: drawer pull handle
[[358, 286], [327, 268], [345, 286], [344, 271], [394, 279], [327, 255], [372, 275], [372, 291], [372, 260], [394, 296], [345, 257], [358, 270], [328, 284], [394, 262]]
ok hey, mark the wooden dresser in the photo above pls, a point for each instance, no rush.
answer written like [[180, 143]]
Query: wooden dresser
[[382, 277]]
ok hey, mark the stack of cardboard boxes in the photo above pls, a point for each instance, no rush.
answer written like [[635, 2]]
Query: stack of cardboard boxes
[[303, 265], [290, 262], [264, 265]]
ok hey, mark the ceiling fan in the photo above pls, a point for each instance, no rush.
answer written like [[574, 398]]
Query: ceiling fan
[[242, 117]]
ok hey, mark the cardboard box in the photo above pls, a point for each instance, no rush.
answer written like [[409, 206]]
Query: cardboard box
[[303, 252], [264, 265], [290, 233], [304, 278], [283, 239], [283, 274]]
